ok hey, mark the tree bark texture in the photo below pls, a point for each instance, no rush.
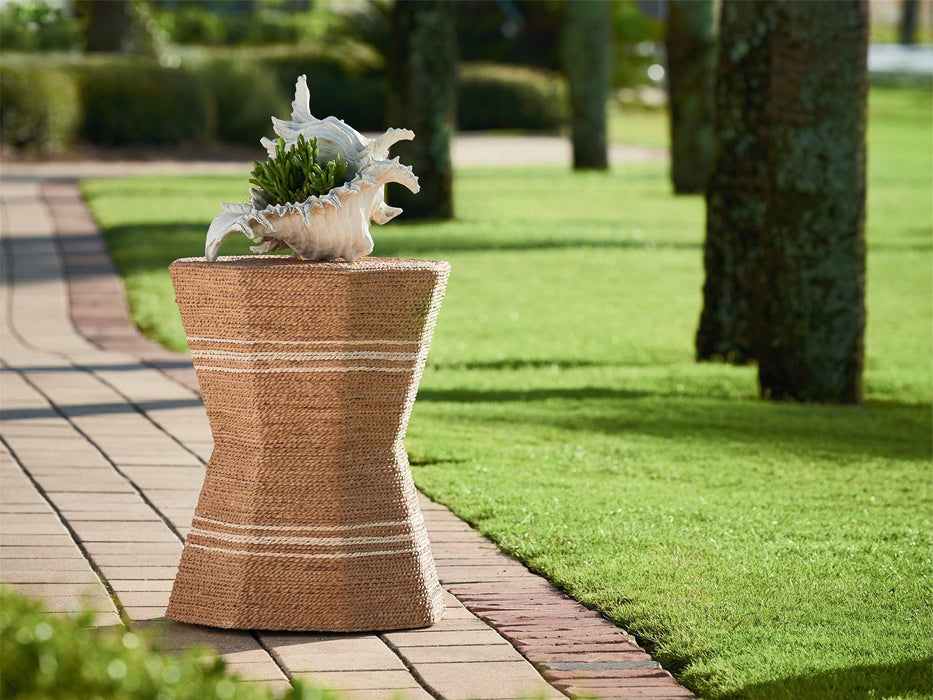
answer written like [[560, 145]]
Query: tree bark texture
[[812, 322], [422, 88], [691, 59], [108, 24], [737, 188], [908, 25], [586, 46]]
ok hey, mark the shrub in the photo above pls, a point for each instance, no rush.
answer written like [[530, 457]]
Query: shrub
[[493, 96], [64, 657], [128, 102], [231, 94], [489, 96], [39, 108], [220, 24], [350, 89], [345, 81], [191, 24], [245, 96]]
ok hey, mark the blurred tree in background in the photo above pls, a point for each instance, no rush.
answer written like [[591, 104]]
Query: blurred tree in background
[[107, 25], [908, 26], [586, 47], [526, 32], [118, 26], [735, 198], [422, 85], [691, 59]]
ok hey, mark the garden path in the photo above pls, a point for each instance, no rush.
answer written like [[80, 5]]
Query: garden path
[[102, 452]]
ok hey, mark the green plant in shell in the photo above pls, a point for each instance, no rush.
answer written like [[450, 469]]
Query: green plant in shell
[[293, 175]]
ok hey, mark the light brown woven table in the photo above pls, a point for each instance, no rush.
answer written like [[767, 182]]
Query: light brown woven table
[[308, 518]]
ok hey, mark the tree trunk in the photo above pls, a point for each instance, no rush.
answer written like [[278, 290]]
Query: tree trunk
[[810, 340], [422, 84], [691, 57], [108, 24], [908, 26], [736, 196], [586, 43]]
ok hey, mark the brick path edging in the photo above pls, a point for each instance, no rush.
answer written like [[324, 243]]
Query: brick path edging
[[577, 650]]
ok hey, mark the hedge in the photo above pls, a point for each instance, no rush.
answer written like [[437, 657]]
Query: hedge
[[495, 96], [39, 108], [489, 96], [244, 97], [349, 85], [229, 96], [138, 102]]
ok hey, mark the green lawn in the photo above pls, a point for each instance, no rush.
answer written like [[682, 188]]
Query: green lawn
[[639, 126], [761, 550]]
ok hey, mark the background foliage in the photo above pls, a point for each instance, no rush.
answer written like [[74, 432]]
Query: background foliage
[[139, 102], [38, 26], [39, 108]]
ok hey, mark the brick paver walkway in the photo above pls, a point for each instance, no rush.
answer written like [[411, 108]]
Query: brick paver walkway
[[102, 452]]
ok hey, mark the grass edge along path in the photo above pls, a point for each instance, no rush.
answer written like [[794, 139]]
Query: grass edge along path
[[762, 550]]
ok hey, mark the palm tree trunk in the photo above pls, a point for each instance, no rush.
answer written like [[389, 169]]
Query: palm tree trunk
[[691, 58], [736, 196], [810, 345], [585, 53], [422, 88]]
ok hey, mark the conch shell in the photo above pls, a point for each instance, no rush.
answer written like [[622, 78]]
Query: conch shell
[[334, 225]]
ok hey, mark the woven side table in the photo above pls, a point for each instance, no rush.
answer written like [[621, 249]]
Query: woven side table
[[308, 518]]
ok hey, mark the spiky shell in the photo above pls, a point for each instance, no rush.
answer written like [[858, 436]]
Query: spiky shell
[[335, 225]]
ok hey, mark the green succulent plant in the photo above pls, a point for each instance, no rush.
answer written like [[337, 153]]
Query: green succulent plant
[[293, 175]]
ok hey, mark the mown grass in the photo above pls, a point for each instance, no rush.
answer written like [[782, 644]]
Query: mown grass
[[639, 126], [762, 550]]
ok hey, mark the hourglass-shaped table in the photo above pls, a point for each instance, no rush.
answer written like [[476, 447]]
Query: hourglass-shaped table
[[308, 518]]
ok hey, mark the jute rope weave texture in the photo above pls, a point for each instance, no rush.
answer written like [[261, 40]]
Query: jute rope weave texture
[[308, 518]]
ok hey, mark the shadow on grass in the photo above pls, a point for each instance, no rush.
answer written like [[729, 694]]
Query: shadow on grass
[[154, 246], [514, 364], [891, 431], [433, 245], [509, 395], [913, 678], [883, 429]]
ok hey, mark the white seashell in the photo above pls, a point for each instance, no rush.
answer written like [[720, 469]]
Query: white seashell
[[335, 225]]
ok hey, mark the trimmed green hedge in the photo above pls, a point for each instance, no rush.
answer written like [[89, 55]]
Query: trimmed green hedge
[[229, 96], [489, 96], [39, 108], [495, 96], [350, 86], [139, 102], [245, 99]]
